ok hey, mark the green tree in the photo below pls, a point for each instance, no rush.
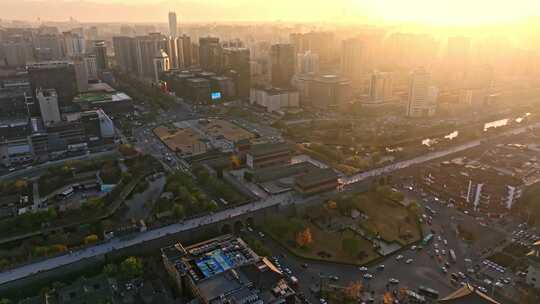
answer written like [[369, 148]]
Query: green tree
[[351, 246], [110, 270], [131, 267], [179, 211]]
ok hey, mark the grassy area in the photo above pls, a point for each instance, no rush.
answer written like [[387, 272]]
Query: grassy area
[[390, 220], [325, 245]]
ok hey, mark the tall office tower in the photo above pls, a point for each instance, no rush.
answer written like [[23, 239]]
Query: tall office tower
[[125, 53], [307, 63], [422, 99], [352, 60], [100, 50], [161, 64], [172, 51], [58, 75], [17, 54], [457, 56], [185, 51], [90, 63], [48, 105], [236, 64], [49, 47], [73, 44], [81, 73], [146, 48], [381, 86], [319, 43], [210, 54], [173, 26], [282, 61], [195, 54]]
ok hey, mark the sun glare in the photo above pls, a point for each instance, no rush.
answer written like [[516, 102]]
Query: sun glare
[[450, 12]]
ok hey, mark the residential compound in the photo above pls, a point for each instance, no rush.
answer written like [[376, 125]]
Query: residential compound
[[225, 270]]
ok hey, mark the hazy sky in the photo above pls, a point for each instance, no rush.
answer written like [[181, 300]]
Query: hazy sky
[[431, 11]]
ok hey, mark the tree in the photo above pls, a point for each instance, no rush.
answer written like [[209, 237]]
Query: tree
[[354, 290], [91, 239], [179, 211], [304, 238], [110, 270], [351, 246], [20, 184], [131, 267]]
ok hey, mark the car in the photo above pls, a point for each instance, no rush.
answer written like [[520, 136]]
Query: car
[[323, 301], [468, 260], [261, 234], [304, 265], [461, 275], [443, 252], [288, 271], [399, 257], [363, 269], [487, 282], [393, 281], [380, 267], [334, 278], [413, 247], [482, 289], [445, 242], [444, 269], [368, 276], [409, 261], [499, 284], [250, 229]]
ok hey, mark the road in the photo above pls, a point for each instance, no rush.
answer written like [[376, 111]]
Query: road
[[429, 156], [140, 238]]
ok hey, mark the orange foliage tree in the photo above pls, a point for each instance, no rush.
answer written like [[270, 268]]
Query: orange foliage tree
[[304, 237]]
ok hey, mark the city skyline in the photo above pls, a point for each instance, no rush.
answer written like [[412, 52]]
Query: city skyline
[[442, 12]]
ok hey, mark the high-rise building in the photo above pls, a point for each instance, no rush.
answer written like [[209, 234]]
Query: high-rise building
[[173, 52], [352, 59], [100, 50], [173, 26], [81, 73], [329, 91], [307, 63], [125, 53], [17, 54], [58, 75], [48, 106], [146, 49], [49, 47], [319, 43], [185, 51], [90, 62], [73, 43], [282, 60], [422, 99], [380, 86], [236, 64], [210, 54], [161, 64]]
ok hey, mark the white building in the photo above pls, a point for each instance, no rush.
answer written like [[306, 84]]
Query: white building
[[48, 105], [74, 44], [422, 99], [161, 64], [275, 99]]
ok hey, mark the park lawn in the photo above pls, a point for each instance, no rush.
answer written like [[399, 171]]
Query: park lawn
[[389, 219], [329, 242]]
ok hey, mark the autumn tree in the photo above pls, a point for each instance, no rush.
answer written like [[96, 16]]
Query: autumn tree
[[304, 237], [354, 290], [131, 267], [91, 239]]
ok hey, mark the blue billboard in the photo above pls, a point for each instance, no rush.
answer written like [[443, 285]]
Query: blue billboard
[[216, 95]]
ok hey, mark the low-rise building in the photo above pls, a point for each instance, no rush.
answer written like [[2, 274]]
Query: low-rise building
[[225, 270], [113, 103], [267, 155], [275, 99], [316, 181], [533, 272]]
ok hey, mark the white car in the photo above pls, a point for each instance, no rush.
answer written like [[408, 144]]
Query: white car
[[393, 281], [368, 276], [363, 269], [409, 261], [399, 257]]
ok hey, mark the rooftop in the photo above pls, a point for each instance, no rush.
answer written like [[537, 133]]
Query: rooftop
[[268, 148], [316, 176]]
